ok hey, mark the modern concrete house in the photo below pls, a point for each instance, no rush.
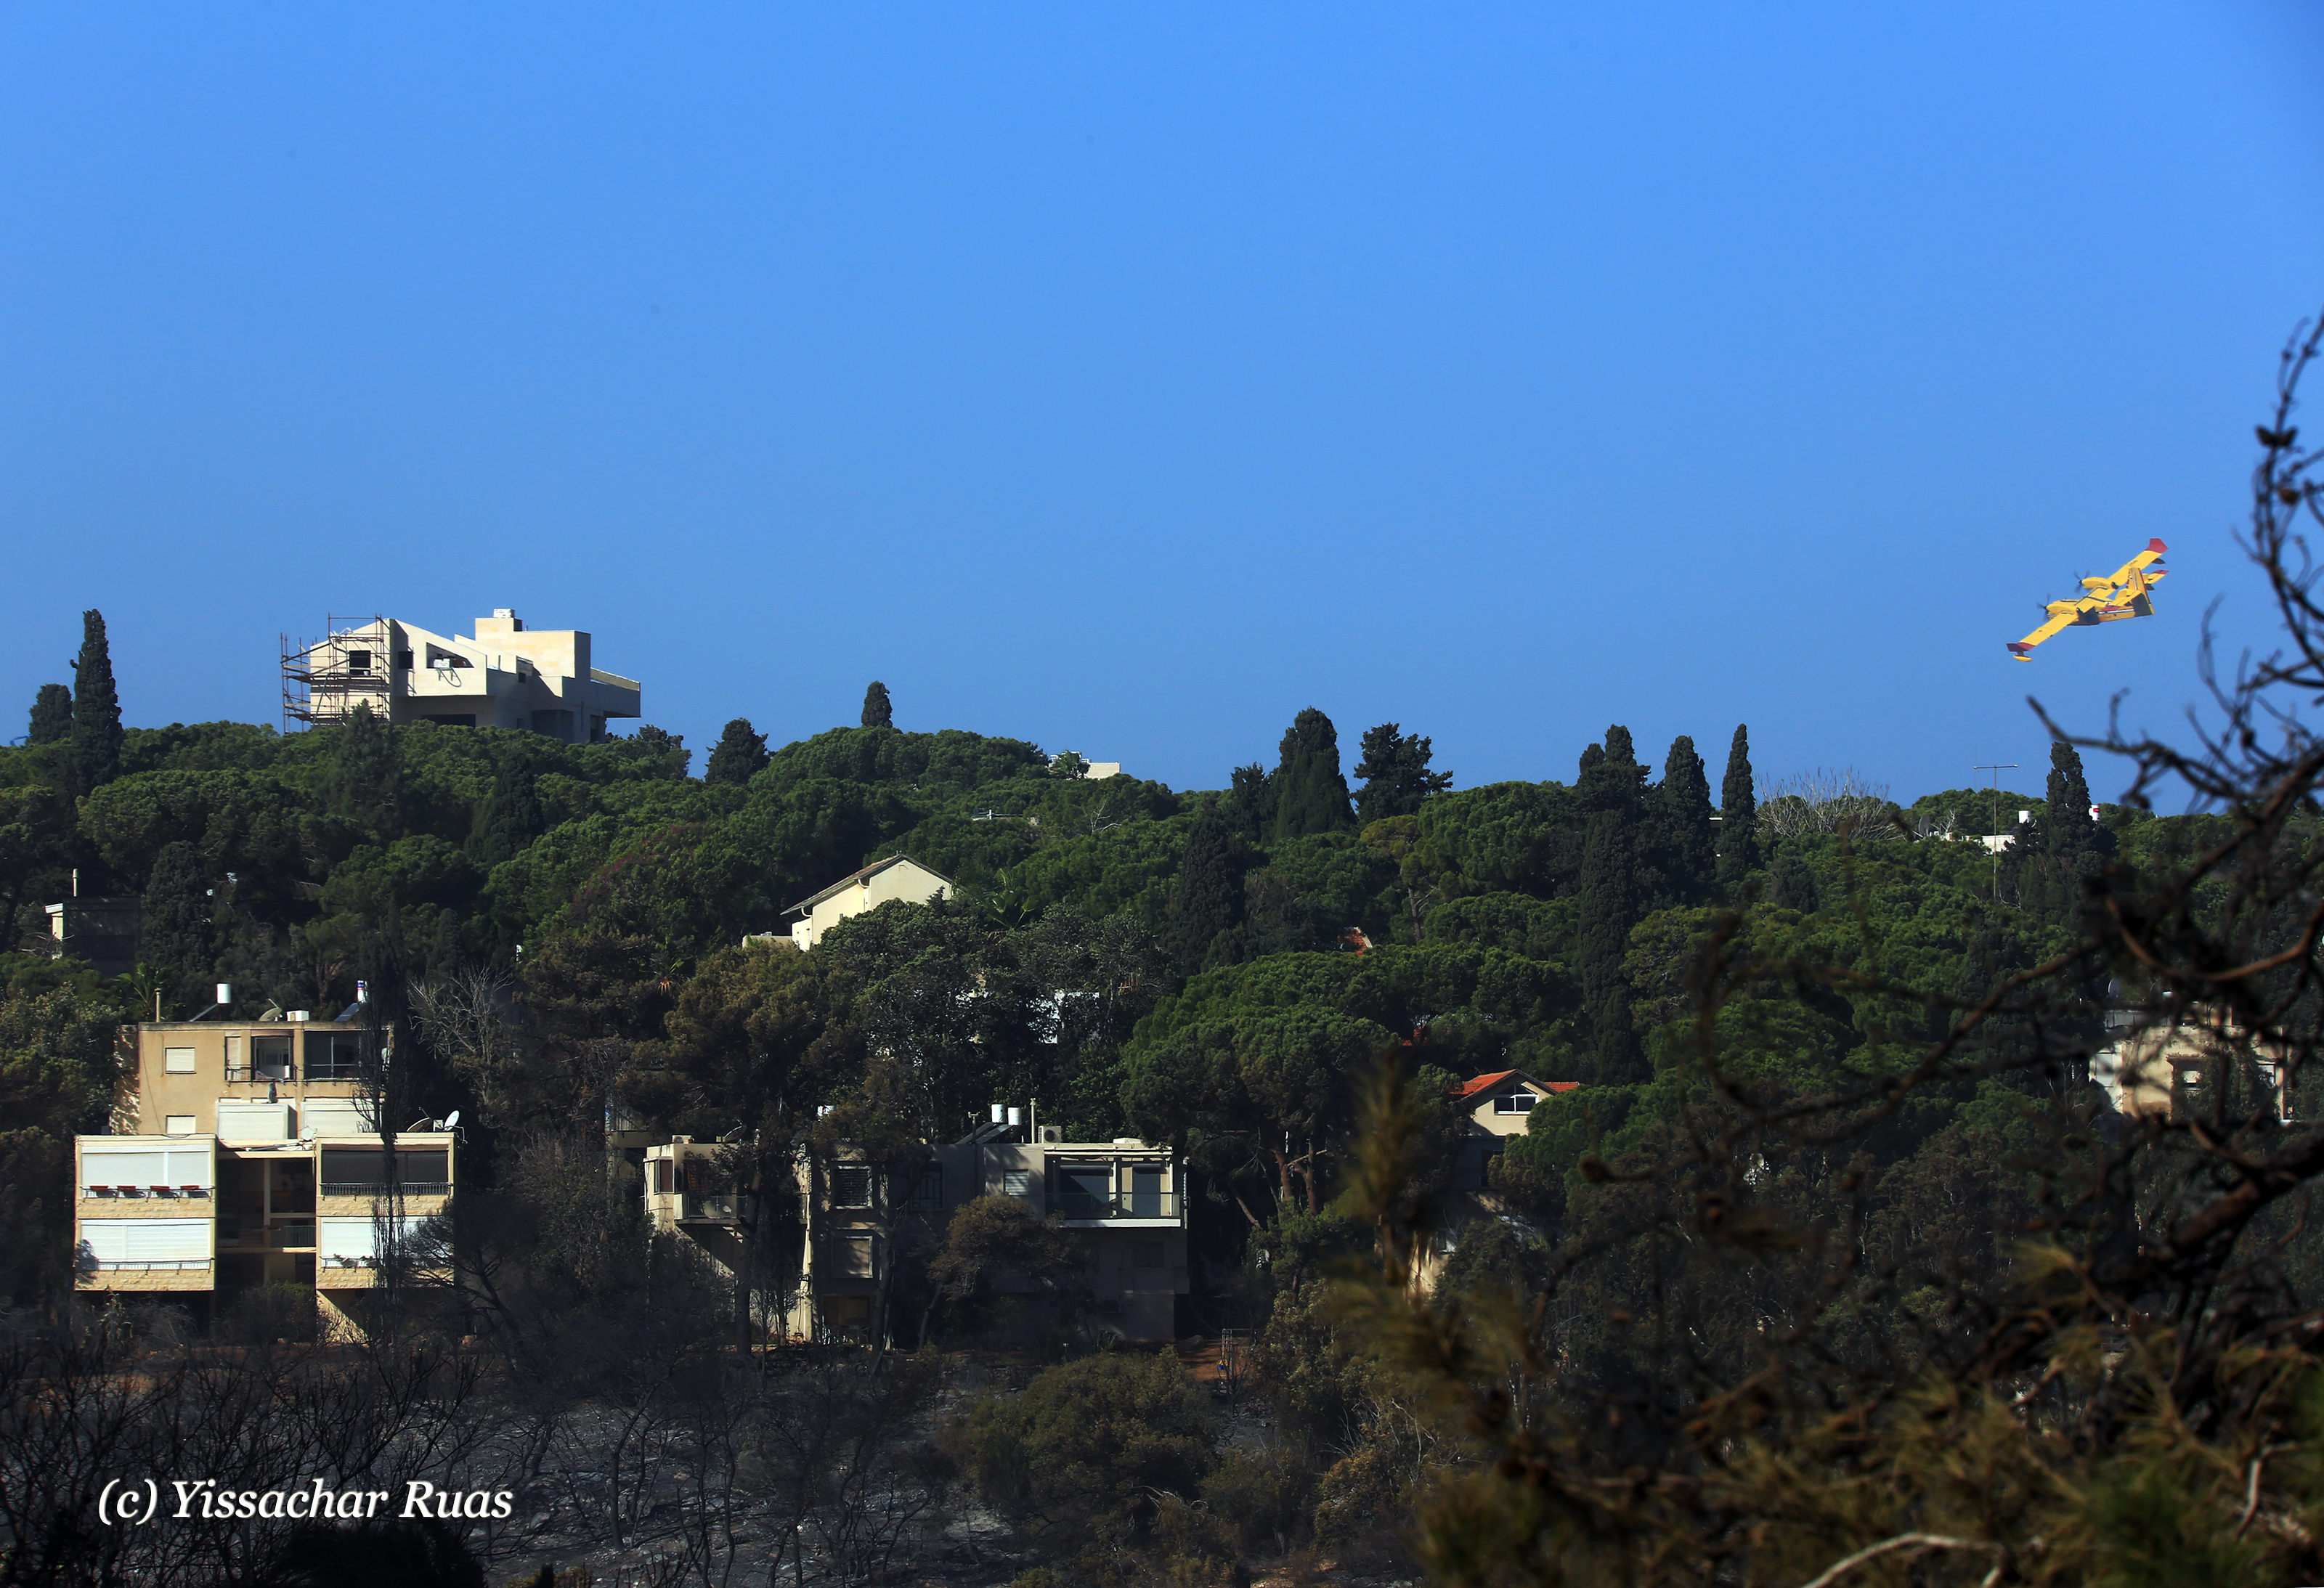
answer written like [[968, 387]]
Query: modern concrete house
[[897, 877], [540, 680], [107, 932], [242, 1154], [1124, 1201]]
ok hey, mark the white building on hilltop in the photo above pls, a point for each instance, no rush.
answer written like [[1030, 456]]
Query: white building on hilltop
[[541, 680]]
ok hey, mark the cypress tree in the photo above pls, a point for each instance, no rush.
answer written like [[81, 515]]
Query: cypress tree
[[1310, 794], [1685, 841], [877, 711], [52, 715], [2065, 831], [1738, 815], [510, 816], [181, 930], [1611, 897], [1250, 803], [96, 708], [1207, 898], [1395, 770], [740, 754], [1790, 885]]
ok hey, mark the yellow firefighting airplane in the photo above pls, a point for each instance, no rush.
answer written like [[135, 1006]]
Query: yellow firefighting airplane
[[2110, 600]]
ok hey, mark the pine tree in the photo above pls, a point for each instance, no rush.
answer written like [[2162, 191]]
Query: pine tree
[[877, 711], [366, 782], [740, 754], [180, 931], [1207, 897], [1395, 770], [1611, 895], [1310, 794], [1738, 815], [96, 708], [1685, 841], [510, 816], [52, 715]]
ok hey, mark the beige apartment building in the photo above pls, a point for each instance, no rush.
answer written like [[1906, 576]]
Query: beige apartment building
[[897, 877], [1124, 1200], [242, 1153], [538, 680]]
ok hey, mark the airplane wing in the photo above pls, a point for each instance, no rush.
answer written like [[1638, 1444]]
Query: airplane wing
[[2022, 648], [2137, 564]]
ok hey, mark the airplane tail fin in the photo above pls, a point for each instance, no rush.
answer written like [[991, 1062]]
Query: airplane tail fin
[[2157, 547]]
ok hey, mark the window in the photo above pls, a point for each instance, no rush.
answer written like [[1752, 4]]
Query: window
[[661, 1177], [1146, 1254], [1083, 1190], [403, 659], [850, 1188], [178, 1125], [334, 1055], [850, 1257], [1514, 1103], [929, 1191], [1145, 1197], [358, 663], [177, 1061], [1016, 1183]]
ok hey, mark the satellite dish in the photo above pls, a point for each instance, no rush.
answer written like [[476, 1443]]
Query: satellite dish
[[451, 1119]]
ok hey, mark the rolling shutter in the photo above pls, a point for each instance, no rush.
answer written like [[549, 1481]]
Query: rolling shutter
[[355, 1238], [335, 1116], [129, 1241], [143, 1161], [242, 1120]]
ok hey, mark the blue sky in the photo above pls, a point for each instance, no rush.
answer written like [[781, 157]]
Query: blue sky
[[1128, 377]]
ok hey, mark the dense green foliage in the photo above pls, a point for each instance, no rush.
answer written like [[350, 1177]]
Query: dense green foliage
[[569, 931]]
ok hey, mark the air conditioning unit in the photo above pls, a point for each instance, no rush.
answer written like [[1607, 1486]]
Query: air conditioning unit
[[1052, 1132]]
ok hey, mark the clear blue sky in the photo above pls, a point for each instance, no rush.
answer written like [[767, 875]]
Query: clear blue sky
[[1126, 377]]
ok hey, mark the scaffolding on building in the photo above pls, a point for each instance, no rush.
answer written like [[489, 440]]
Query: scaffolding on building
[[325, 680]]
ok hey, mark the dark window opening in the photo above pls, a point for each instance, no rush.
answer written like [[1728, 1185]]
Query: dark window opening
[[358, 663], [334, 1055]]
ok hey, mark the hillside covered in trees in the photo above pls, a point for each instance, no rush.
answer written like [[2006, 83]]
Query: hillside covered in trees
[[558, 930]]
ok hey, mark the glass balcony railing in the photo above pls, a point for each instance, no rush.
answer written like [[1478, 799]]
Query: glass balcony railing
[[1130, 1204]]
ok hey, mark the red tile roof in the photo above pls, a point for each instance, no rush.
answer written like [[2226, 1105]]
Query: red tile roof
[[1486, 1083]]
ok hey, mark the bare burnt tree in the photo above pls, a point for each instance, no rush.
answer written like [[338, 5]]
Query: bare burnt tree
[[1770, 1353]]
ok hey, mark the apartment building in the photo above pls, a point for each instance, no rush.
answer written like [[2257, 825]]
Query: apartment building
[[1124, 1200], [242, 1154], [506, 676], [2191, 1066]]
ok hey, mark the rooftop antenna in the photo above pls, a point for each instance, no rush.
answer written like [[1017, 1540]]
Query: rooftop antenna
[[1996, 768]]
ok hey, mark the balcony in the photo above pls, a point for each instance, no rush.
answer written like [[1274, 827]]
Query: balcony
[[1135, 1205], [182, 1193], [719, 1207], [291, 1237], [376, 1189], [282, 1069]]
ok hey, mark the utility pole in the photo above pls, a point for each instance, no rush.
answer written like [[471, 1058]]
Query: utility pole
[[1996, 768]]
